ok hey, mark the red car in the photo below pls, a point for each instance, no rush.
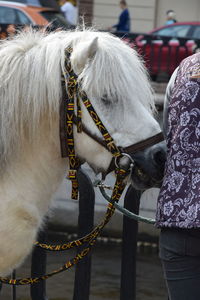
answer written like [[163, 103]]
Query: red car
[[164, 48]]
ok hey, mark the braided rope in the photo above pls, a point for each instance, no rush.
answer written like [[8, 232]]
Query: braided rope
[[89, 243], [73, 261]]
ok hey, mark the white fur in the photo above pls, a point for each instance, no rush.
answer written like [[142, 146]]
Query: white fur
[[30, 93]]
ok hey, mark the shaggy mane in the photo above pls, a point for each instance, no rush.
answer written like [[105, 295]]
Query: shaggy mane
[[30, 85]]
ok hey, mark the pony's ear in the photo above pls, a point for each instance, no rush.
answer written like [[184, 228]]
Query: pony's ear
[[82, 53]]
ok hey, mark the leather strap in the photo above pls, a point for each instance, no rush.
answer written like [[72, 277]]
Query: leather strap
[[63, 123], [144, 144], [140, 146]]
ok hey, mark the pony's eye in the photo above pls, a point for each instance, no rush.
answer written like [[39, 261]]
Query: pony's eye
[[105, 100]]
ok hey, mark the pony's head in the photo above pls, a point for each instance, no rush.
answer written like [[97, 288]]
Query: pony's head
[[110, 73], [115, 80]]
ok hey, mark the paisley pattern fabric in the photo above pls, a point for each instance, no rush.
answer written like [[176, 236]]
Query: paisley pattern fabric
[[179, 197]]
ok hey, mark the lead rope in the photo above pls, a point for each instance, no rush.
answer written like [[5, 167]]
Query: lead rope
[[90, 239], [123, 210], [116, 194]]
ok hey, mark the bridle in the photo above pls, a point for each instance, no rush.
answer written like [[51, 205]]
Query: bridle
[[121, 157], [71, 90]]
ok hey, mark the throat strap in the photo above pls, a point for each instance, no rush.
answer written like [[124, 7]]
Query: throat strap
[[74, 163]]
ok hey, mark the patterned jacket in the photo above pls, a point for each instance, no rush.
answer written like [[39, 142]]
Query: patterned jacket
[[179, 197]]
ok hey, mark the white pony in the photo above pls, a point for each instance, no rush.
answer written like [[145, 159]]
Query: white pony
[[115, 81]]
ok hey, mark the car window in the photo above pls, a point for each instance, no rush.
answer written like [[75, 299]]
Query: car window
[[7, 15], [29, 2], [10, 15], [22, 18], [174, 31], [196, 32], [56, 18], [46, 3]]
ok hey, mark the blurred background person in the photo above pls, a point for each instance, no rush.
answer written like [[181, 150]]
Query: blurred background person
[[171, 17], [123, 24], [70, 12]]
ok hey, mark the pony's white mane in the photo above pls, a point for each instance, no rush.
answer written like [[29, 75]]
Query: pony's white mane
[[30, 86]]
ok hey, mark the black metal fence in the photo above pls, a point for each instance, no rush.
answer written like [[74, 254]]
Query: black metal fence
[[83, 268], [162, 54]]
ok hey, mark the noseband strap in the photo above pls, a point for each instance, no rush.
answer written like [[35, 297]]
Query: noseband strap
[[140, 146]]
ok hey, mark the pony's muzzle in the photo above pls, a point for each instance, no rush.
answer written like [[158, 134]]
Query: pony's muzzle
[[159, 155], [149, 166]]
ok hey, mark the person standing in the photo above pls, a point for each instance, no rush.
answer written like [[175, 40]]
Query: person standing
[[171, 17], [178, 209], [70, 12], [123, 24]]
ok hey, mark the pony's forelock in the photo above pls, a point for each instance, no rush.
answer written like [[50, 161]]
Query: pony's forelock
[[117, 68]]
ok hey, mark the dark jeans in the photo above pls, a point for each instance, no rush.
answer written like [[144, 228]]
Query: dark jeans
[[180, 256]]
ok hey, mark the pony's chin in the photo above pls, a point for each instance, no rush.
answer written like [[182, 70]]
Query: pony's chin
[[97, 170], [142, 181]]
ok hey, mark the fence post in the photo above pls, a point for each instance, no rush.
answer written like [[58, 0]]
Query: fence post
[[38, 268], [85, 225], [129, 246], [14, 290]]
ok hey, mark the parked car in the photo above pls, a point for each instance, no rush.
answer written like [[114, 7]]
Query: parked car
[[165, 47], [23, 14], [179, 29], [49, 3]]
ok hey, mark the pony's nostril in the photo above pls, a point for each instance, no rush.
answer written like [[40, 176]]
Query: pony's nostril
[[159, 157]]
